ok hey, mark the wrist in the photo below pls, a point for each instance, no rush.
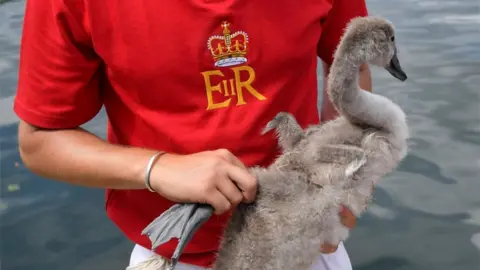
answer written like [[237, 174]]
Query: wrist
[[148, 170], [161, 171]]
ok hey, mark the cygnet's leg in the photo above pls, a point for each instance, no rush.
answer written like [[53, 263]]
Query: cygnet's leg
[[287, 129]]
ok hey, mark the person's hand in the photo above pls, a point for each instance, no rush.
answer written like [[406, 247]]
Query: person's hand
[[216, 177], [349, 220]]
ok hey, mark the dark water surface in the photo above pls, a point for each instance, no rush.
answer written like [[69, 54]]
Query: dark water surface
[[426, 215]]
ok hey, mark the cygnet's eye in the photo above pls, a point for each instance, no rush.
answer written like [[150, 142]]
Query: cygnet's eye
[[392, 38]]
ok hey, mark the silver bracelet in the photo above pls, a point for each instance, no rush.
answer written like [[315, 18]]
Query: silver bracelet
[[148, 170]]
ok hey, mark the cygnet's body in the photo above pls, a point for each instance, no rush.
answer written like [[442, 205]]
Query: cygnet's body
[[321, 167]]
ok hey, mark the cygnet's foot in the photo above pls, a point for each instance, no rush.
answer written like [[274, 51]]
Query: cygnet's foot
[[180, 221]]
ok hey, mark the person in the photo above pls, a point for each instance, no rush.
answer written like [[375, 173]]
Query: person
[[194, 80]]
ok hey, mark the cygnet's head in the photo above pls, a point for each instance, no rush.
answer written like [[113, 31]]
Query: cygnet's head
[[372, 40]]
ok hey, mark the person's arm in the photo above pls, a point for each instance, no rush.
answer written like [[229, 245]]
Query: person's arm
[[58, 91], [328, 112], [78, 157]]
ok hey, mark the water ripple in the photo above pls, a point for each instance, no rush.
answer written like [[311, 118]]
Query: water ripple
[[426, 215]]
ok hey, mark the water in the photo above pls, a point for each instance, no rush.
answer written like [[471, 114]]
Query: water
[[426, 215]]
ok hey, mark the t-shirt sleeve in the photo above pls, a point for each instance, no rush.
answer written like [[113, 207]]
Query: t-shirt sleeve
[[333, 26], [59, 72]]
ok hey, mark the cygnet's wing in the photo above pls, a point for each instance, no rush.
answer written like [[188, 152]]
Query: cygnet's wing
[[180, 221]]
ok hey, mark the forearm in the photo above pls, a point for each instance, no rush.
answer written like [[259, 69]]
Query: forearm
[[328, 112], [78, 157]]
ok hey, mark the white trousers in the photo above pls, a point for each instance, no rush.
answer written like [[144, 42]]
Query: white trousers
[[144, 259]]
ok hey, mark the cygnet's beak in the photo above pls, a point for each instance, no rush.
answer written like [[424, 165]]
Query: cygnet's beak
[[395, 69]]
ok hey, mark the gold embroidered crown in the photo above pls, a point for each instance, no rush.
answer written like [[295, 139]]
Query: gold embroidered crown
[[229, 49]]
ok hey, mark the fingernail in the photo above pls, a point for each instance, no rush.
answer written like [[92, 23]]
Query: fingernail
[[349, 222], [327, 248]]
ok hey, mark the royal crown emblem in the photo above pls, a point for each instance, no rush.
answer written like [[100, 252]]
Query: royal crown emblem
[[229, 49]]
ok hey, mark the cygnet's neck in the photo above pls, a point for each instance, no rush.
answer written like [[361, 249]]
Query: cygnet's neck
[[343, 80], [362, 107]]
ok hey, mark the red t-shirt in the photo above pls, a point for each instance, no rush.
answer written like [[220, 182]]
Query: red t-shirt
[[180, 76]]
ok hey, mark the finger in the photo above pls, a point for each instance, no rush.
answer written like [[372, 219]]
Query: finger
[[219, 202], [328, 248], [236, 161], [347, 218], [231, 158], [230, 190], [244, 181]]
